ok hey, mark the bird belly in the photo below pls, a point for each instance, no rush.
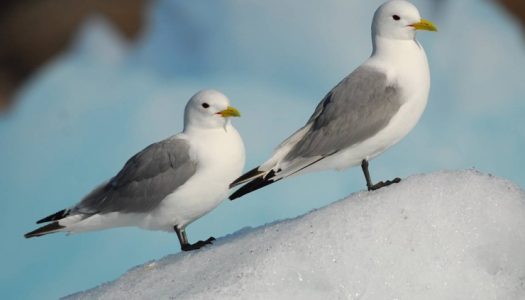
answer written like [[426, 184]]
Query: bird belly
[[191, 201]]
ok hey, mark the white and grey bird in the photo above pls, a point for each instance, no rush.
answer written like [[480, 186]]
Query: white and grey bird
[[169, 184], [370, 110]]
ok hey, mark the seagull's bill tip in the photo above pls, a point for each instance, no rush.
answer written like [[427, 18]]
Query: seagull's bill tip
[[424, 25], [230, 111]]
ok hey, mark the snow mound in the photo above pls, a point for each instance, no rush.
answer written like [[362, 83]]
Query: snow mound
[[446, 235]]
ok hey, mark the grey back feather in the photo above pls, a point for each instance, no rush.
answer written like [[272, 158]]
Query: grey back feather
[[357, 108], [144, 181]]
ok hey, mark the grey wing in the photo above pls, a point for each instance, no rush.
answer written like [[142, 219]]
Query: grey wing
[[144, 181], [357, 108]]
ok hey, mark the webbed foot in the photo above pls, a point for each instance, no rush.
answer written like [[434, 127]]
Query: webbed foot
[[381, 184], [197, 245]]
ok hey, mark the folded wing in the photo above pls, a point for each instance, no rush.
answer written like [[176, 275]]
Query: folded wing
[[356, 109]]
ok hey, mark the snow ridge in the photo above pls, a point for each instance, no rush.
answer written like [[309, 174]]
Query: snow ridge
[[445, 235]]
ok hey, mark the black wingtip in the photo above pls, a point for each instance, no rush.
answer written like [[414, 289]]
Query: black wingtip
[[247, 176], [253, 185], [49, 228], [54, 217]]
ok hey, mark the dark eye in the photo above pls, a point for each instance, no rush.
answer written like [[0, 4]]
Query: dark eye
[[396, 17], [205, 105]]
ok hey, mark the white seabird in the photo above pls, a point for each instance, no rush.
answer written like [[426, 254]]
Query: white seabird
[[169, 184], [370, 110]]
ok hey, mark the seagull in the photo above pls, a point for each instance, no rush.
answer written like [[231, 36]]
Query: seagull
[[170, 183], [370, 110]]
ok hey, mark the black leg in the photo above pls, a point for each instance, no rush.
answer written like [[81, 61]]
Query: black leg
[[373, 187], [181, 234], [185, 245], [364, 167]]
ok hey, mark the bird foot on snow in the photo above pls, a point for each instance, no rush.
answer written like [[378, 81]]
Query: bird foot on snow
[[197, 245], [381, 184]]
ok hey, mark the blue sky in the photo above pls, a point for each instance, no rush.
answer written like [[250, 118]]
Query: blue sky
[[93, 107]]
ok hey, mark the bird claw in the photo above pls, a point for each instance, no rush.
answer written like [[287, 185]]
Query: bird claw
[[197, 245], [396, 180], [381, 184], [208, 241]]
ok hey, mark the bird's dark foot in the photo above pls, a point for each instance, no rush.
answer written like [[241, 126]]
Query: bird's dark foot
[[197, 245], [383, 184]]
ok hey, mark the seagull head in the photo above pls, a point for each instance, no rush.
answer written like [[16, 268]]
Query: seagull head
[[209, 109], [399, 19]]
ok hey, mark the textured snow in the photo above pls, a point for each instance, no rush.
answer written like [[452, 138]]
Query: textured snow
[[446, 235]]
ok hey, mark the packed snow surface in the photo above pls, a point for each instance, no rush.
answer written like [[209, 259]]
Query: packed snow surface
[[446, 235]]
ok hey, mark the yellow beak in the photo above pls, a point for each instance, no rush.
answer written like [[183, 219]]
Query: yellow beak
[[424, 25], [230, 111]]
